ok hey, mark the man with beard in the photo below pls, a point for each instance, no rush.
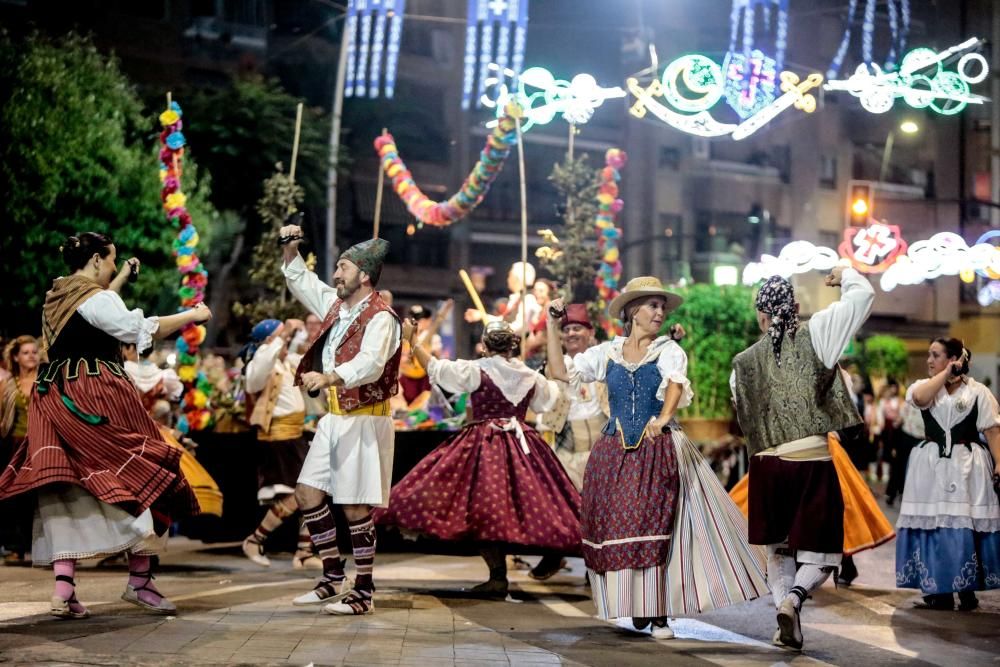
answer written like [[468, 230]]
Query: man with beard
[[355, 359]]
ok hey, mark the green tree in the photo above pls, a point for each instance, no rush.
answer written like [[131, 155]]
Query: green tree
[[77, 154], [886, 356], [720, 322], [281, 198]]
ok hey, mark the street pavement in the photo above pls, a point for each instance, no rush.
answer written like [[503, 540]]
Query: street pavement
[[232, 612]]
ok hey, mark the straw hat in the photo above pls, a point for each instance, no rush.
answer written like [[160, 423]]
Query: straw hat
[[638, 288]]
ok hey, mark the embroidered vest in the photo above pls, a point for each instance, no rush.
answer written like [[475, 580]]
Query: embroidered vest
[[965, 432], [488, 402], [801, 398], [632, 399], [382, 389]]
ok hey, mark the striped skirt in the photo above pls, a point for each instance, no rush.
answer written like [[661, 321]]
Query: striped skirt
[[710, 564]]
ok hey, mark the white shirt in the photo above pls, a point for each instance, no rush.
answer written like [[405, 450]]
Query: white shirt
[[584, 403], [530, 312], [832, 328], [106, 311], [265, 362], [950, 409], [591, 365], [511, 376], [381, 336], [146, 375]]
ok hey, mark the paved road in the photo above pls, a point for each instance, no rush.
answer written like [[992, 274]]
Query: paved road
[[232, 612]]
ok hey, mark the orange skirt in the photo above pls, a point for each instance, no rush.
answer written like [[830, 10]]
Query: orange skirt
[[865, 526]]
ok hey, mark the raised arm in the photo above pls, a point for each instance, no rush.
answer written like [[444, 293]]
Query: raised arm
[[556, 365], [304, 284], [833, 327]]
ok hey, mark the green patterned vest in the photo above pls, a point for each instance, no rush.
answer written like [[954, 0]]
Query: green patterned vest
[[801, 398]]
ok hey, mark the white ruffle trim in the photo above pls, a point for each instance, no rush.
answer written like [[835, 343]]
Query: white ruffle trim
[[687, 394], [947, 521], [144, 339]]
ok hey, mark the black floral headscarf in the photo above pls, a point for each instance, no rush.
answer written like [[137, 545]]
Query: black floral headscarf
[[777, 299]]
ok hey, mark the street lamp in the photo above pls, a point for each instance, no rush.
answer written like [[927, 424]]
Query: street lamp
[[906, 127]]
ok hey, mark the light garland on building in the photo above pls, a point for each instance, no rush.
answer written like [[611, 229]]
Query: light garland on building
[[921, 82], [703, 79], [483, 18], [543, 97], [372, 16]]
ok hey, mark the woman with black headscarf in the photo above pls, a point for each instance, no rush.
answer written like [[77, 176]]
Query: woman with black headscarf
[[789, 394]]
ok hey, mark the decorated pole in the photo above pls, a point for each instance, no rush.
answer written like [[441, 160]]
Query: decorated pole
[[524, 234], [194, 278], [609, 205]]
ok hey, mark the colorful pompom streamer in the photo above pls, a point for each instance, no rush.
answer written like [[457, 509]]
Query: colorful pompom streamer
[[194, 277], [609, 205], [475, 187]]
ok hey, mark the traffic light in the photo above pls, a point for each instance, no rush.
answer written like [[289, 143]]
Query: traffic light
[[860, 201]]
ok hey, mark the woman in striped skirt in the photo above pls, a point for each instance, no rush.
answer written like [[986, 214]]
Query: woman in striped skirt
[[660, 535], [106, 482]]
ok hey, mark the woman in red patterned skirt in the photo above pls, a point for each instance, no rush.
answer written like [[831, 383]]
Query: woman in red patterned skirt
[[496, 482], [105, 480]]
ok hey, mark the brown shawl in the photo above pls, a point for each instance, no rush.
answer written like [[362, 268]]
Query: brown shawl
[[67, 294]]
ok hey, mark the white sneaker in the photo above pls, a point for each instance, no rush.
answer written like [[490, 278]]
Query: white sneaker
[[664, 633], [255, 552], [789, 626], [326, 592], [352, 604]]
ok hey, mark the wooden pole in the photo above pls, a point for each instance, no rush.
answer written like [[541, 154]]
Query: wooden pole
[[524, 238], [295, 142], [473, 294], [569, 208], [378, 194], [168, 99]]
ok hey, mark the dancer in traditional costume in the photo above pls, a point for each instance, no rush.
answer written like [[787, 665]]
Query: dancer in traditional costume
[[279, 417], [106, 481], [660, 535], [789, 394], [949, 519], [21, 357], [356, 360], [413, 380], [496, 482], [865, 525]]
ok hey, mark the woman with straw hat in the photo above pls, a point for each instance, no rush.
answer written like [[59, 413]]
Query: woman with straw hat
[[660, 535]]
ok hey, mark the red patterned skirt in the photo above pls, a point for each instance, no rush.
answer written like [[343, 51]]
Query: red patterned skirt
[[482, 485], [87, 426], [629, 500]]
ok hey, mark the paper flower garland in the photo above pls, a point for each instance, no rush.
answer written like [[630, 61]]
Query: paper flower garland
[[475, 187], [194, 277], [608, 207]]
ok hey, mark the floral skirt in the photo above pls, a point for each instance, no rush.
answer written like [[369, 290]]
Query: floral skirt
[[949, 521]]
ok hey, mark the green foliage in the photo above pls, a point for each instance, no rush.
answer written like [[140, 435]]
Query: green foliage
[[573, 259], [281, 198], [886, 356], [720, 323], [240, 132], [77, 154]]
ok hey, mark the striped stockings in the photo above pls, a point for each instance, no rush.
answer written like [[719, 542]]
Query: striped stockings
[[277, 513], [323, 530], [363, 543]]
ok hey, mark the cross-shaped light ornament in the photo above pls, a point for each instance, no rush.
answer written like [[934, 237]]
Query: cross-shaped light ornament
[[498, 7], [873, 244]]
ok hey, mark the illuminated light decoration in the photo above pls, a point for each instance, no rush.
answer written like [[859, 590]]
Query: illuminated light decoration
[[743, 18], [872, 249], [543, 97], [609, 271], [796, 257], [365, 30], [898, 12], [989, 293], [922, 82], [991, 271], [482, 19], [474, 188], [725, 275], [709, 85], [194, 278], [750, 82]]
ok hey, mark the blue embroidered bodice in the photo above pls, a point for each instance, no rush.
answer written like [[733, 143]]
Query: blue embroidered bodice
[[632, 399]]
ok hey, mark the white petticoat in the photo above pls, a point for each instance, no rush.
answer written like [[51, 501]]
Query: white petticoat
[[72, 523]]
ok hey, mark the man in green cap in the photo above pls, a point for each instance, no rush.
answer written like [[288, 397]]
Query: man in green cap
[[355, 360]]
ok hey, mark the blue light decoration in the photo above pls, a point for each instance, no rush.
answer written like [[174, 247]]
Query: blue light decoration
[[899, 29], [751, 74], [485, 17], [370, 18]]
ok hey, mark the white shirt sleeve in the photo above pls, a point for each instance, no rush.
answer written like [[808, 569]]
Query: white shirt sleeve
[[545, 396], [308, 289], [591, 365], [989, 410], [380, 342], [732, 385], [909, 395], [833, 327], [106, 311], [262, 365], [672, 364], [455, 376]]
